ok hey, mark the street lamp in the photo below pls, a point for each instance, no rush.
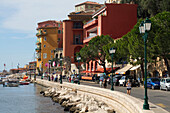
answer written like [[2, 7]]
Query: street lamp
[[78, 59], [145, 28], [112, 52], [35, 71], [61, 59], [42, 70], [49, 69]]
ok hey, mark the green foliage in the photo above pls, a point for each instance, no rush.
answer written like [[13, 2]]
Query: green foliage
[[160, 34], [97, 49], [149, 8]]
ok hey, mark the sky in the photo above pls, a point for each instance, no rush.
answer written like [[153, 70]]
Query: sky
[[18, 23]]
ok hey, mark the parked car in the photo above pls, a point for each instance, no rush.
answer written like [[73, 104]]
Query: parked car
[[124, 80], [153, 83], [165, 84], [116, 79]]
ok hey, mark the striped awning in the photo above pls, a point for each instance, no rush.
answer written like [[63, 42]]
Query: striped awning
[[123, 70]]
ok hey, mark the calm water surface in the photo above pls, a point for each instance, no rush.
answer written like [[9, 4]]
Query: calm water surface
[[26, 99]]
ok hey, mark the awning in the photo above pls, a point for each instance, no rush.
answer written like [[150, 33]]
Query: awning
[[135, 67], [107, 69], [123, 70], [86, 72]]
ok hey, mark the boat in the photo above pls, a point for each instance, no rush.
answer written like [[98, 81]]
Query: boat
[[13, 83], [24, 83]]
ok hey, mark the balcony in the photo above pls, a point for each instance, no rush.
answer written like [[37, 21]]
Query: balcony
[[38, 43], [38, 49], [91, 35], [77, 28], [91, 23], [87, 39], [77, 43], [42, 33]]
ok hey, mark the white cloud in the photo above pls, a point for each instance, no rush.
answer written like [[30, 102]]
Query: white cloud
[[30, 12]]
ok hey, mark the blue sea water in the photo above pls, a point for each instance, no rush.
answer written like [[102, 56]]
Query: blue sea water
[[26, 99]]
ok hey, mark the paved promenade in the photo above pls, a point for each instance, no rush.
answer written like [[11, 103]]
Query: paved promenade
[[157, 97]]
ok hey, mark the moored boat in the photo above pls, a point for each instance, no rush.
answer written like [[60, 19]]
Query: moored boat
[[24, 83]]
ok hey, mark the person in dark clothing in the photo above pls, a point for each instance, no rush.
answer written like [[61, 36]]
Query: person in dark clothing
[[105, 83]]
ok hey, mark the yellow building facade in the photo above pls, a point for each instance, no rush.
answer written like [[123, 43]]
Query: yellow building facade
[[47, 42]]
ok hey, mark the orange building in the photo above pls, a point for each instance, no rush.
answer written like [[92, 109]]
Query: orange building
[[49, 37], [73, 31]]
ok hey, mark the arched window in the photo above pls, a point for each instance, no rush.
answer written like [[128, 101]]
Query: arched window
[[96, 65], [56, 56], [92, 65], [60, 55]]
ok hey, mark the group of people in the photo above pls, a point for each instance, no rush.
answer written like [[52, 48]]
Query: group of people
[[103, 82]]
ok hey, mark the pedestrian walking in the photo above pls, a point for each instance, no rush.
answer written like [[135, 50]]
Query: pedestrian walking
[[101, 82], [70, 78], [129, 87], [105, 83], [52, 77]]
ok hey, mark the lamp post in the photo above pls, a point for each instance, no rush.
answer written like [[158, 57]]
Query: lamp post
[[112, 52], [49, 69], [42, 70], [78, 59], [61, 59], [144, 28], [35, 71]]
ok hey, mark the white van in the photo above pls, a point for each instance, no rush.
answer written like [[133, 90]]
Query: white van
[[165, 84], [123, 80]]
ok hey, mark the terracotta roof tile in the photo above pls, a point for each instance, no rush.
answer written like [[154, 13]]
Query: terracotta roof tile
[[88, 2]]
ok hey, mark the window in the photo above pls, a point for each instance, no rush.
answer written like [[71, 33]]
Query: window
[[56, 56], [58, 39], [60, 55], [96, 65], [77, 39], [58, 24], [92, 66], [51, 51], [44, 46], [51, 56], [44, 55], [45, 39], [59, 31]]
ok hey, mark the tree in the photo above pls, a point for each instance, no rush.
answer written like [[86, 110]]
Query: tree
[[97, 50], [132, 46], [160, 34], [149, 8]]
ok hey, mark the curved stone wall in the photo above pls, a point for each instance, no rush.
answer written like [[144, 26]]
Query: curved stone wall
[[122, 103]]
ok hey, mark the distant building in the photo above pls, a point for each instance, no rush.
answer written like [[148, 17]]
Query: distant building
[[32, 67], [18, 70], [49, 37]]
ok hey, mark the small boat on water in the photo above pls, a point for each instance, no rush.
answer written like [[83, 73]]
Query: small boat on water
[[23, 82], [11, 83]]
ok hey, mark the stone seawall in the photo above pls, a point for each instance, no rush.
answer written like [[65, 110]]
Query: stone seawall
[[120, 102]]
